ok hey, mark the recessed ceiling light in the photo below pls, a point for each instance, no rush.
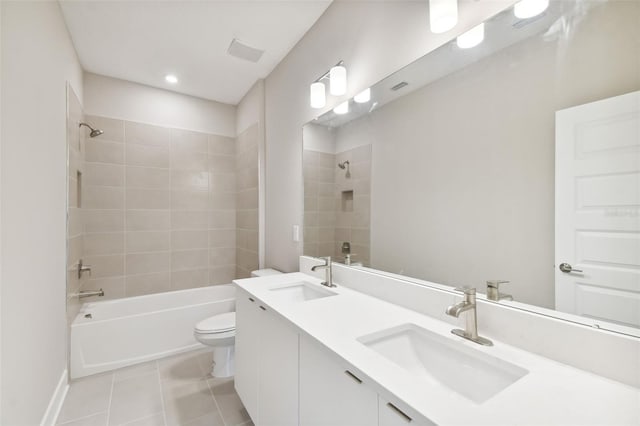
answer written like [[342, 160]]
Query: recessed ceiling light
[[170, 78]]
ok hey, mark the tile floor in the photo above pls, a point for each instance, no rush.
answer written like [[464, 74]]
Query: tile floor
[[178, 391]]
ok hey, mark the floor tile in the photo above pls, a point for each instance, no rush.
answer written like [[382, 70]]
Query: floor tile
[[86, 397], [231, 408], [135, 398], [99, 419], [211, 419], [155, 420], [183, 368], [185, 402], [135, 370]]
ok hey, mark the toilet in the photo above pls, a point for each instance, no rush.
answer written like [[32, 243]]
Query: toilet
[[219, 332]]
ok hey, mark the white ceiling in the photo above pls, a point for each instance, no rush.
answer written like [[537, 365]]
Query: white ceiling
[[142, 41]]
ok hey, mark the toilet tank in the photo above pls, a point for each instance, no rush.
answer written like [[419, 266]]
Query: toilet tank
[[264, 272]]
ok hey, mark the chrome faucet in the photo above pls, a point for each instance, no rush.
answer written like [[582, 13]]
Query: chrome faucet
[[329, 274], [468, 304], [493, 291], [87, 293]]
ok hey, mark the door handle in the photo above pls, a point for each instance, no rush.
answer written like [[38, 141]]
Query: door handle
[[566, 268]]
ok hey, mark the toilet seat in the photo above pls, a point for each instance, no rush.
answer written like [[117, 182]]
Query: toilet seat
[[218, 324]]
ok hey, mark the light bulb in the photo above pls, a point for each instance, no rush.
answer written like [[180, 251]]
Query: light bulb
[[363, 96], [338, 80], [443, 15], [170, 78], [317, 95], [343, 108], [471, 38], [530, 8]]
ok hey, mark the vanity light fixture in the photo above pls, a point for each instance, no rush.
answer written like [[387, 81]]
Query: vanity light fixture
[[443, 15], [337, 77], [317, 95], [170, 78], [529, 8], [341, 109], [363, 97], [471, 38]]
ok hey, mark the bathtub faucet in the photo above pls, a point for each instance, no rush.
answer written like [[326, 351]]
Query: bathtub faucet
[[87, 293]]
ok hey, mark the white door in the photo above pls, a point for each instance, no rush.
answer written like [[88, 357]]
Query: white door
[[598, 212]]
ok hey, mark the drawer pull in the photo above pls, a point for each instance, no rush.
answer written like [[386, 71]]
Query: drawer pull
[[353, 376], [399, 411], [263, 308], [252, 299]]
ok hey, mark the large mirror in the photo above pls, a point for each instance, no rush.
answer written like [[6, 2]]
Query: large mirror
[[514, 160]]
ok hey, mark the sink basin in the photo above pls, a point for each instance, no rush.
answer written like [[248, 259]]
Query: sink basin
[[434, 359], [300, 292]]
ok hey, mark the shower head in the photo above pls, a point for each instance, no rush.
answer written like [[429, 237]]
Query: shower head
[[343, 165], [94, 132]]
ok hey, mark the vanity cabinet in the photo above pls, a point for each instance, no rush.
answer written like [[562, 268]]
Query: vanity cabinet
[[331, 394], [396, 414], [266, 363]]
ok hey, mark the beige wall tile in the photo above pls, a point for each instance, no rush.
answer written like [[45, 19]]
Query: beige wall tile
[[75, 223], [189, 180], [150, 241], [152, 199], [137, 285], [185, 240], [222, 145], [103, 174], [189, 259], [185, 160], [102, 197], [189, 200], [75, 250], [184, 219], [221, 274], [222, 256], [148, 177], [113, 288], [146, 134], [104, 152], [246, 259], [222, 219], [105, 266], [247, 178], [222, 163], [222, 238], [222, 182], [247, 199], [247, 219], [189, 279], [148, 220], [103, 220], [145, 263], [113, 129], [223, 201], [104, 243], [185, 140], [147, 156]]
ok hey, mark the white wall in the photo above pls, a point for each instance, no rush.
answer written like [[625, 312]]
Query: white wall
[[374, 39], [250, 111], [125, 100], [318, 138], [37, 61]]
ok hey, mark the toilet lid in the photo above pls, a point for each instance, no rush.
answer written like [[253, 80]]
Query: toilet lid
[[218, 323]]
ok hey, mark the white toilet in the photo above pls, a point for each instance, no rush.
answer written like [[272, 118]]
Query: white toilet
[[219, 332]]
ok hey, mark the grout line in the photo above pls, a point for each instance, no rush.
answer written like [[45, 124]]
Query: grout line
[[164, 407], [113, 381], [80, 418]]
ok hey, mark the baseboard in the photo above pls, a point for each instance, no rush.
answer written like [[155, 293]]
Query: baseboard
[[57, 399]]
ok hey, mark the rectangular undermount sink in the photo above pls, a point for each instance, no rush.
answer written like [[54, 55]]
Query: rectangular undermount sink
[[300, 292], [434, 359]]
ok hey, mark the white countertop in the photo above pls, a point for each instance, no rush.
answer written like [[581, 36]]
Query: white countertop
[[551, 393]]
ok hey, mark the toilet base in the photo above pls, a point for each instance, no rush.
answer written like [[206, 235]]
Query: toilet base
[[223, 361]]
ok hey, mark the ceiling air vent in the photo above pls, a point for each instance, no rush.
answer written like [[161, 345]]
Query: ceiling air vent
[[244, 51], [399, 86]]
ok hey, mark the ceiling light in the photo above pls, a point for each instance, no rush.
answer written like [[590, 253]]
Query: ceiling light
[[170, 78], [530, 8], [338, 80], [471, 38], [443, 15], [364, 96], [317, 95], [343, 108]]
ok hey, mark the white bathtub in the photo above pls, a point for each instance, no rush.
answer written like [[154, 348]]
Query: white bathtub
[[136, 329]]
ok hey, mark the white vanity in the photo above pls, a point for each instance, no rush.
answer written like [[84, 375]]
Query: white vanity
[[309, 355]]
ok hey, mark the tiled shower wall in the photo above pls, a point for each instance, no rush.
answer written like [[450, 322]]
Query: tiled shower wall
[[247, 202], [337, 206], [159, 208]]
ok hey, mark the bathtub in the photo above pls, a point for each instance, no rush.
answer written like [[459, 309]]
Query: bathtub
[[117, 333]]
